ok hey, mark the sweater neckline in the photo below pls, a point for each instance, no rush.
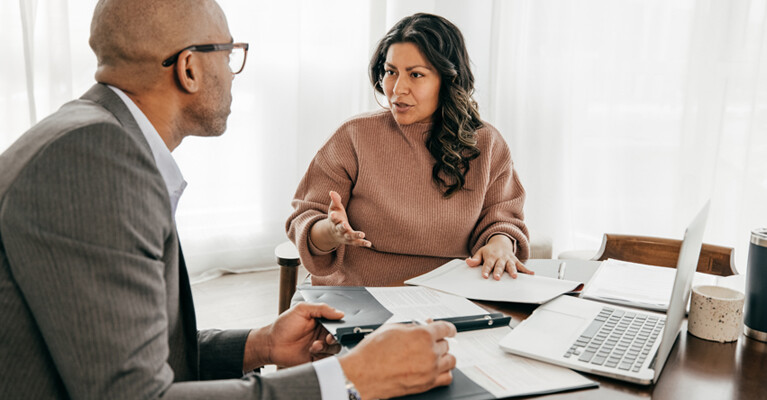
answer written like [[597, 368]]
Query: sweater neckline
[[415, 128]]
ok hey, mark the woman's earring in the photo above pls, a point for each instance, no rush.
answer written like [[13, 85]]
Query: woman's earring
[[376, 93]]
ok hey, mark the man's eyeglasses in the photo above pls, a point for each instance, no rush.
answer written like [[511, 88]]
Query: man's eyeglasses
[[238, 54]]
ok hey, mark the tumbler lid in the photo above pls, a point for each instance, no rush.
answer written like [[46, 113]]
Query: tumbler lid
[[759, 237]]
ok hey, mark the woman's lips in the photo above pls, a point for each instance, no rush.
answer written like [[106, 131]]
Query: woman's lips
[[402, 107]]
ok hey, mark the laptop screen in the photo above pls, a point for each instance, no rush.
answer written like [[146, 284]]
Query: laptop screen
[[685, 269]]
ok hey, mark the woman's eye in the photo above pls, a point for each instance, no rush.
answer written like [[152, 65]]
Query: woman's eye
[[389, 72], [416, 74]]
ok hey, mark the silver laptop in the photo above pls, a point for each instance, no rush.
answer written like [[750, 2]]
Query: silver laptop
[[618, 342]]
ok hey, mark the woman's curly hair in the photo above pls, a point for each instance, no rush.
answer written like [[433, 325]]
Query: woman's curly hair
[[453, 137]]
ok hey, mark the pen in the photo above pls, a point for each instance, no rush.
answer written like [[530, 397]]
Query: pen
[[465, 323], [561, 271], [474, 322]]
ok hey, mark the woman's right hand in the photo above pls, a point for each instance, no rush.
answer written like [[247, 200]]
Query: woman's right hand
[[335, 230]]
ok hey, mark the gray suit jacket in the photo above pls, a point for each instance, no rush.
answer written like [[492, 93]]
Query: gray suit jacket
[[94, 298]]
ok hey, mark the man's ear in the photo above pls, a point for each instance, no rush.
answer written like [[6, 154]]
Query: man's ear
[[189, 71]]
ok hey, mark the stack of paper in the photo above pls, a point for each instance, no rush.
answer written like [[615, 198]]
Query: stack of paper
[[645, 286]]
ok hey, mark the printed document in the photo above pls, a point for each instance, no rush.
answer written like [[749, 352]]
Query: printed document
[[502, 374], [458, 278], [409, 303]]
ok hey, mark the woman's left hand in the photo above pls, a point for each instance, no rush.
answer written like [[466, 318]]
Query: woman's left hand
[[498, 256]]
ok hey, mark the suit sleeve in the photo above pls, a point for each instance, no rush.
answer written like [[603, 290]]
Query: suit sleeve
[[221, 353], [90, 217]]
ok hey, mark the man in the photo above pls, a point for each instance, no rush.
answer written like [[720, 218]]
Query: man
[[94, 294]]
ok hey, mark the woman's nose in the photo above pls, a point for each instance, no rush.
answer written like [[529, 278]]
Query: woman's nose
[[402, 86]]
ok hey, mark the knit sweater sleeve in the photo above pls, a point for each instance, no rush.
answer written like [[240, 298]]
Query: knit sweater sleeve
[[335, 168], [504, 198]]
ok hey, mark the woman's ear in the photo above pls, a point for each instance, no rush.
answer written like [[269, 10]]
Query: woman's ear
[[189, 71]]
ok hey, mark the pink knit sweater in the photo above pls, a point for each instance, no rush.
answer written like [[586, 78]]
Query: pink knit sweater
[[383, 173]]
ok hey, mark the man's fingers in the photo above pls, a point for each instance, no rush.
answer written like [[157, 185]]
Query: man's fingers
[[441, 329], [330, 339], [441, 347], [444, 379], [319, 347], [446, 362], [316, 347], [321, 310]]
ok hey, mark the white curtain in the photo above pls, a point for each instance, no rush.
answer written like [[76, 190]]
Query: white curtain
[[623, 116]]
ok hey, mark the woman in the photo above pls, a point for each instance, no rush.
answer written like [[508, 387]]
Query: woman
[[418, 184]]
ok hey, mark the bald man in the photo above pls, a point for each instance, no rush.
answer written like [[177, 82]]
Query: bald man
[[95, 300]]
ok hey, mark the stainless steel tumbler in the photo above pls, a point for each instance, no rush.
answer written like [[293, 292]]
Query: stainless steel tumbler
[[755, 317]]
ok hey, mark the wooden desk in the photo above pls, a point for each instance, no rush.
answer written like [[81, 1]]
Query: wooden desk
[[695, 369]]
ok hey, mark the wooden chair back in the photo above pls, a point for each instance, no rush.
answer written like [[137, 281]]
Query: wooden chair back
[[717, 260]]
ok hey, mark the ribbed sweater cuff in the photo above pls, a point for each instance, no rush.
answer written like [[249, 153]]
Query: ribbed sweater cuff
[[315, 250], [513, 240]]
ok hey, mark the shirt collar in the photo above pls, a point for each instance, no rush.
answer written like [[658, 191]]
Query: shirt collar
[[171, 173]]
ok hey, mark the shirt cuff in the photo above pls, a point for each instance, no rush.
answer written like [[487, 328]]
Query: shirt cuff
[[331, 377]]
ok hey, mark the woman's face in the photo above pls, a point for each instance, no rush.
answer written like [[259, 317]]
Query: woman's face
[[411, 84]]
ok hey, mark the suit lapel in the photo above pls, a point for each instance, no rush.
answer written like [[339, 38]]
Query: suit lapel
[[108, 99]]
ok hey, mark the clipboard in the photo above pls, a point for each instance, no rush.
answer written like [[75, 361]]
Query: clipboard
[[360, 308], [364, 314]]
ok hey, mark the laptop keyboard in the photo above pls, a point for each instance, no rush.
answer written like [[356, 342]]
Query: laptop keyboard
[[617, 339]]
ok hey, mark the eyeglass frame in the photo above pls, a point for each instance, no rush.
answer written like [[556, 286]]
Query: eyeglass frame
[[207, 48]]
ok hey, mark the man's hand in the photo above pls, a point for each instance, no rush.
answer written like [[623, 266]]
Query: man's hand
[[294, 338], [498, 256], [335, 230], [397, 359]]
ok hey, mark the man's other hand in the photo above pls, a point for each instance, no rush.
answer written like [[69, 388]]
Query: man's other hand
[[294, 338], [397, 360]]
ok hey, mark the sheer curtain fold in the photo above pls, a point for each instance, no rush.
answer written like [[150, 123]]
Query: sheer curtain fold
[[27, 10], [626, 116], [622, 116]]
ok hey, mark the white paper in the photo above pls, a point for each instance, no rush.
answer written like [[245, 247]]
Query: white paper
[[409, 303], [502, 374], [645, 286], [458, 278]]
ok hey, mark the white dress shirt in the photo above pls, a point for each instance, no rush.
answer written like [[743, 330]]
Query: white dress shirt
[[169, 170], [329, 373]]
